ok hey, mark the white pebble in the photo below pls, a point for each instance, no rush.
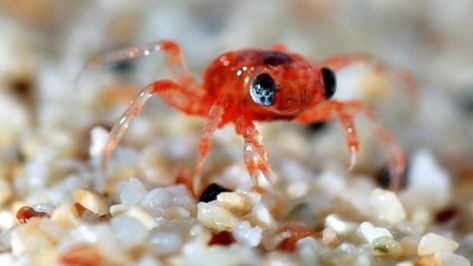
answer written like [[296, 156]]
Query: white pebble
[[370, 233], [261, 216], [6, 259], [329, 237], [215, 217], [136, 212], [66, 215], [429, 184], [386, 206], [102, 236], [338, 225], [98, 140], [7, 219], [92, 201], [332, 184], [297, 189], [147, 261], [131, 191], [448, 258], [165, 197], [309, 250], [432, 242], [165, 242], [246, 235], [128, 231]]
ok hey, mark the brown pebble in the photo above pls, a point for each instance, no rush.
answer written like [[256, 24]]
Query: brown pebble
[[223, 238], [81, 255], [446, 215], [26, 212]]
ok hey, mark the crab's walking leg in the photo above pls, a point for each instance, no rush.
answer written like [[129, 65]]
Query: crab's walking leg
[[133, 110], [341, 61], [254, 153], [345, 111], [213, 122], [172, 51]]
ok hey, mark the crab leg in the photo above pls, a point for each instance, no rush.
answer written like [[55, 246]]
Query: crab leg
[[213, 121], [341, 61], [254, 153], [345, 111], [172, 51], [133, 110]]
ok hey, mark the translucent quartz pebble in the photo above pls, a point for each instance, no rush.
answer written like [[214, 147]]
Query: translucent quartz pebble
[[432, 242], [166, 197], [246, 235], [147, 261], [131, 191], [448, 258], [216, 217], [66, 215], [309, 250], [443, 258], [101, 236], [409, 246], [370, 233], [169, 237], [98, 140], [429, 184], [338, 225], [128, 231], [195, 253], [329, 237], [386, 206], [92, 201], [165, 243], [5, 240], [136, 212], [261, 216]]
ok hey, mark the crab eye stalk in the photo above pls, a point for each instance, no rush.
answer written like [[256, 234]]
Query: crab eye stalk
[[330, 83], [262, 89]]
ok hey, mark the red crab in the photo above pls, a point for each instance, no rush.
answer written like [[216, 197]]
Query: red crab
[[250, 85]]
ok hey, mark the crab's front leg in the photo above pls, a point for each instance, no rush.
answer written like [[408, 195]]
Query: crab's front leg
[[345, 112], [213, 121], [170, 48], [130, 114], [254, 153]]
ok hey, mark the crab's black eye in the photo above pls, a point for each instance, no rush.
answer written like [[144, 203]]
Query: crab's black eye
[[262, 89], [330, 83]]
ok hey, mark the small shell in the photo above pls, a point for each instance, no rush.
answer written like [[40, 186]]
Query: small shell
[[92, 201]]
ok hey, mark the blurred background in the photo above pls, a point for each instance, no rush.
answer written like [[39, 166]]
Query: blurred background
[[45, 43]]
